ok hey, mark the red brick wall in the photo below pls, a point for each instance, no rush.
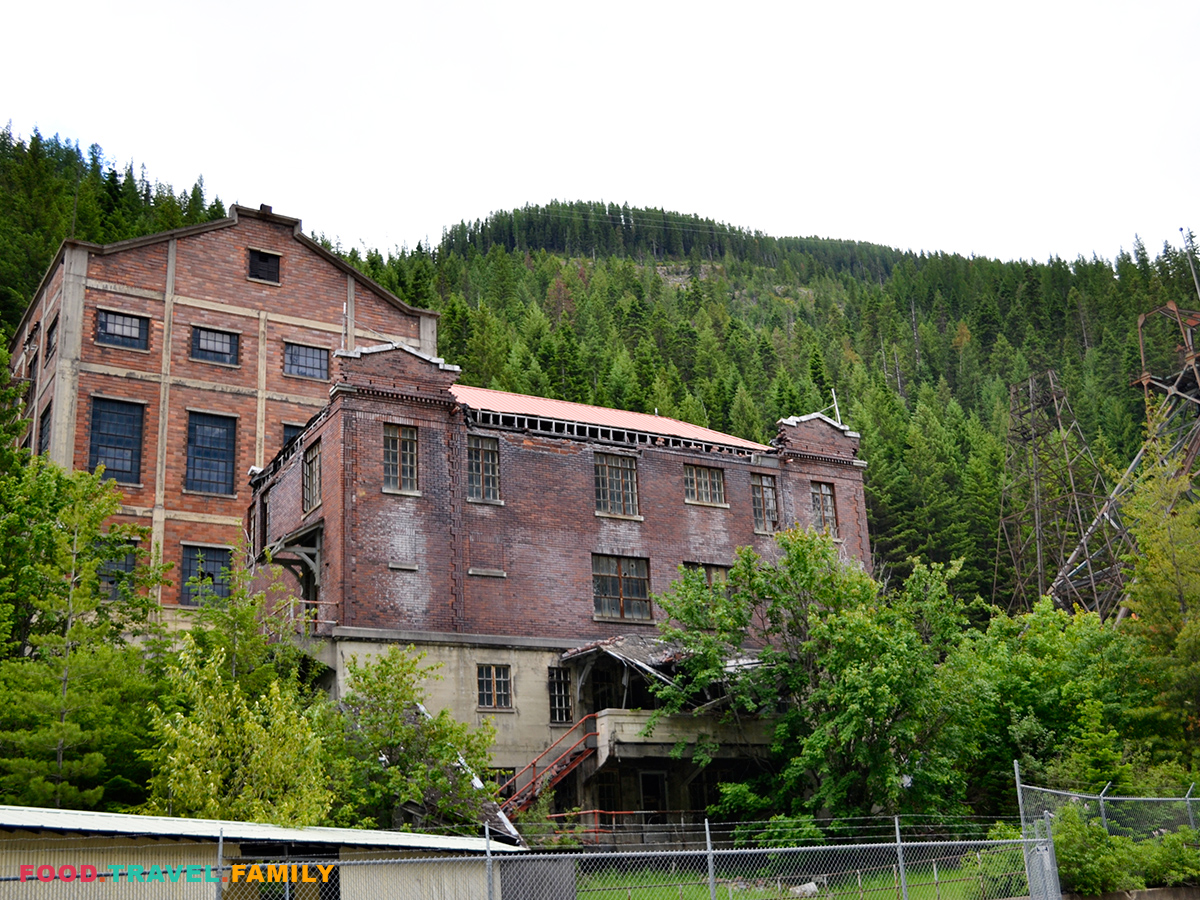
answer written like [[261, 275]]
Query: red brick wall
[[544, 534]]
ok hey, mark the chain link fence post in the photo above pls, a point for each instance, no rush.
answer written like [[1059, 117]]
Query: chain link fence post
[[220, 859], [1103, 817], [900, 857], [487, 846], [1187, 798], [712, 874], [1020, 796]]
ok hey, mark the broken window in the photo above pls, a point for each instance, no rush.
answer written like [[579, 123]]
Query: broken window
[[215, 346], [621, 587], [307, 362], [399, 458], [704, 485], [312, 476], [264, 266], [483, 468], [121, 330], [495, 687], [824, 510], [560, 696], [766, 510], [616, 485], [713, 575]]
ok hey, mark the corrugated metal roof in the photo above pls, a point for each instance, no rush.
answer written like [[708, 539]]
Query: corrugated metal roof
[[524, 405], [36, 819]]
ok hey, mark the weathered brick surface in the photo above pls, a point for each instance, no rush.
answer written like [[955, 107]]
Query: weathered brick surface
[[544, 534], [211, 267]]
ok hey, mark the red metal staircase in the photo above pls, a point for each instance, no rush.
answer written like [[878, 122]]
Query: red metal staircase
[[551, 766]]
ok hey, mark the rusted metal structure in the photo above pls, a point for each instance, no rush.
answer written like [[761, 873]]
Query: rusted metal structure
[[1053, 504]]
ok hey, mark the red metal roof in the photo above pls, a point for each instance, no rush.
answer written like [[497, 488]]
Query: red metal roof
[[523, 405]]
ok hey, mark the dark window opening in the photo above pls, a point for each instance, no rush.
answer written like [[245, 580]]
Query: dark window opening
[[45, 426], [264, 266], [214, 346], [120, 330], [291, 432], [312, 476], [495, 687], [116, 440], [824, 509], [307, 362], [204, 575], [621, 587], [115, 573], [483, 468], [210, 453], [51, 341], [616, 485], [560, 696], [766, 510]]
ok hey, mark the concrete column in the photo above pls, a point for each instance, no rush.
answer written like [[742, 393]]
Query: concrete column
[[70, 346]]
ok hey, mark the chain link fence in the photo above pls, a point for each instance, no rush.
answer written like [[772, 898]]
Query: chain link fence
[[884, 870], [1139, 818]]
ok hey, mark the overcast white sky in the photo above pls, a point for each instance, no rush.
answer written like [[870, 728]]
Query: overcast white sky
[[1015, 130]]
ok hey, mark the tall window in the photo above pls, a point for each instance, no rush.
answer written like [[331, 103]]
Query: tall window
[[312, 475], [264, 266], [45, 424], [766, 509], [121, 330], [823, 508], [399, 458], [704, 485], [208, 566], [114, 573], [560, 696], [116, 439], [495, 687], [51, 341], [621, 587], [210, 453], [308, 362], [616, 485], [31, 373], [483, 468], [214, 346]]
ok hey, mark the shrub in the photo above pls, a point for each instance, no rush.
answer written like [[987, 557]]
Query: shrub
[[1090, 860]]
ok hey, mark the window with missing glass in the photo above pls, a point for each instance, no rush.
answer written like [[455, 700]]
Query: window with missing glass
[[824, 509], [210, 453], [400, 458], [122, 330], [713, 575], [291, 432], [312, 475], [616, 485], [264, 266], [214, 346], [621, 587], [51, 341], [307, 362], [45, 426], [483, 468], [702, 484], [495, 687], [766, 508], [560, 695], [204, 574], [115, 441], [115, 573]]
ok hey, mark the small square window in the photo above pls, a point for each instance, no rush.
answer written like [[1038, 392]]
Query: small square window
[[210, 453], [823, 508], [291, 432], [204, 574], [116, 440], [495, 687], [214, 346], [766, 509], [308, 362], [560, 696], [483, 468], [120, 330], [704, 485], [616, 485], [621, 587], [312, 476], [399, 458], [264, 266]]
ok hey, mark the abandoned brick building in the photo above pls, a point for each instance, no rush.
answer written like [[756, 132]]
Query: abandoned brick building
[[181, 359], [518, 542]]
